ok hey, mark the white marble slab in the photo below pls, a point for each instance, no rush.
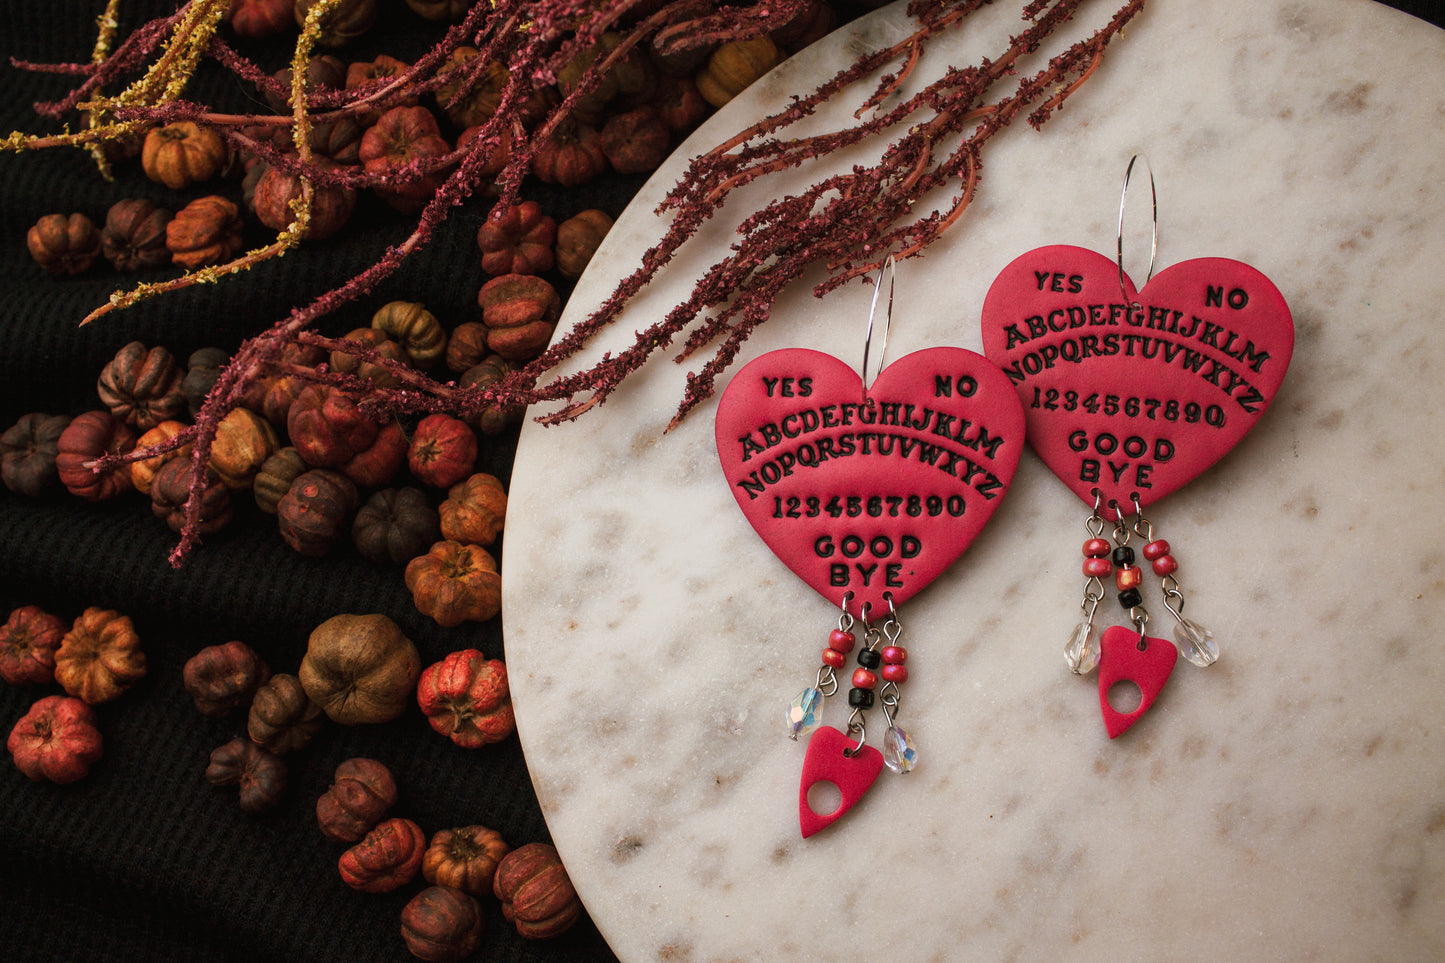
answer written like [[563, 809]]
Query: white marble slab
[[1288, 803]]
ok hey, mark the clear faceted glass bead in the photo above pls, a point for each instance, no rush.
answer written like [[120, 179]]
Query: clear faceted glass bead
[[1082, 649], [899, 753], [805, 713], [1196, 643]]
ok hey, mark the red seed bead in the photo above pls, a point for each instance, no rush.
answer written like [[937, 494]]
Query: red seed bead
[[864, 679], [841, 641], [834, 658], [1128, 577], [1165, 565], [1097, 567], [895, 672], [1096, 547], [1157, 549], [895, 654]]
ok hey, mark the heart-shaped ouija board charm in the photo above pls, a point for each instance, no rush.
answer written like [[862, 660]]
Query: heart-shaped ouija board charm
[[1136, 393], [869, 496]]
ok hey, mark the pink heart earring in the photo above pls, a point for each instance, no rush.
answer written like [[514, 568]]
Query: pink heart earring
[[867, 492], [1129, 395]]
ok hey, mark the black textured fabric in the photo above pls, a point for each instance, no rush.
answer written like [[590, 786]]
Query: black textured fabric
[[143, 860]]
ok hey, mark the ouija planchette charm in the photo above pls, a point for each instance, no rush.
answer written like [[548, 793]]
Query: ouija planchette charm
[[867, 495], [1129, 395]]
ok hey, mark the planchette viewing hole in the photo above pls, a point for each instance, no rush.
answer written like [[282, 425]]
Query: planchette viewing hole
[[824, 797], [1125, 696]]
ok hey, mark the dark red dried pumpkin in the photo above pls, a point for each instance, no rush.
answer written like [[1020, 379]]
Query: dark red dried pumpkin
[[517, 240], [327, 428], [361, 792], [259, 774], [223, 678], [443, 451], [316, 510], [28, 641], [441, 925], [536, 892], [85, 439], [387, 858], [134, 236], [57, 740], [171, 489]]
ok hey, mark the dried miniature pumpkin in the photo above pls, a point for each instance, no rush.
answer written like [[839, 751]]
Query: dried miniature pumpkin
[[636, 142], [734, 66], [258, 19], [491, 419], [383, 68], [441, 925], [100, 657], [417, 330], [570, 156], [440, 9], [361, 792], [86, 438], [679, 104], [454, 583], [134, 236], [142, 386], [474, 105], [258, 773], [400, 137], [243, 442], [467, 346], [274, 479], [223, 678], [465, 858], [28, 450], [283, 718], [578, 238], [378, 342], [520, 312], [331, 204], [379, 463], [395, 525], [474, 510], [327, 427], [316, 510], [322, 72], [386, 858], [181, 154], [360, 668], [64, 243], [536, 892], [466, 698], [497, 155], [57, 740], [443, 451], [517, 239], [203, 368], [143, 472], [205, 231], [813, 21], [171, 489], [28, 641], [343, 23]]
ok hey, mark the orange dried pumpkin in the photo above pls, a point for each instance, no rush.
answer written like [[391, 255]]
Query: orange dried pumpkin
[[100, 657], [455, 583]]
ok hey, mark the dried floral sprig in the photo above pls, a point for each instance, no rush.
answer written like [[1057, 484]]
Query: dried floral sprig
[[534, 39]]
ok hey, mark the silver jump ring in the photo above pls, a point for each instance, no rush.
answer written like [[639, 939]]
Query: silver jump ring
[[1154, 227], [890, 267]]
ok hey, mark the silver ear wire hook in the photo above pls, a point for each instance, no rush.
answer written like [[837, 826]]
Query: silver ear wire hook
[[1154, 228], [890, 267]]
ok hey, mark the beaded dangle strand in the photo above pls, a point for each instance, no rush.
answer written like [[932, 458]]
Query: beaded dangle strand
[[1125, 655]]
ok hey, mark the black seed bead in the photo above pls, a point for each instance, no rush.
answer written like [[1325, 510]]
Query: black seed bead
[[860, 698], [1123, 556], [1130, 598], [869, 658]]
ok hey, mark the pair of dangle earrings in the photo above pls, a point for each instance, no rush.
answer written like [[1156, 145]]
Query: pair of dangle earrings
[[869, 492]]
